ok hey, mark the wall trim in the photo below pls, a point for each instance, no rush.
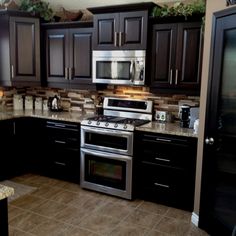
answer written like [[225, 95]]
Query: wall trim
[[195, 219]]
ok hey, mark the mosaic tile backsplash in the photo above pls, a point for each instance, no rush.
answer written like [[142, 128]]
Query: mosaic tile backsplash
[[90, 101]]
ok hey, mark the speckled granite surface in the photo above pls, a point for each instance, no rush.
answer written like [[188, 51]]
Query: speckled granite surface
[[156, 127], [167, 128], [5, 191]]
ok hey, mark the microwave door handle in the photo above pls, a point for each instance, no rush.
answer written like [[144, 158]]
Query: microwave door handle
[[132, 69]]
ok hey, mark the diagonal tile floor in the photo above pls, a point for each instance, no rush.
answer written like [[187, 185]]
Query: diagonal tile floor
[[60, 208]]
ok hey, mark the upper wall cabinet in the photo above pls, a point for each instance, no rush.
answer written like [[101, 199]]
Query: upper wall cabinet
[[19, 49], [176, 55], [68, 55], [121, 27]]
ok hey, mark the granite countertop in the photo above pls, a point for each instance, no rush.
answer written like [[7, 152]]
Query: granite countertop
[[167, 128], [5, 191], [154, 126]]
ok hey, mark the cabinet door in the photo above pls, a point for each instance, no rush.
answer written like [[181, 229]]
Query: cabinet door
[[25, 50], [80, 55], [57, 55], [188, 55], [106, 28], [163, 54], [133, 30]]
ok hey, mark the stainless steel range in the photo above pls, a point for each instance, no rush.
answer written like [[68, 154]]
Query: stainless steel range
[[107, 145]]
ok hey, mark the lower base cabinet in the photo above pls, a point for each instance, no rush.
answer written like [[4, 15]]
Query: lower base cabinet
[[63, 145], [165, 169]]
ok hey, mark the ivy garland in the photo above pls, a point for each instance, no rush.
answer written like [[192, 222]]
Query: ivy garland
[[180, 9]]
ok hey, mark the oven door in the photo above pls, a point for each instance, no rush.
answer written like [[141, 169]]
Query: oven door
[[106, 172], [108, 140]]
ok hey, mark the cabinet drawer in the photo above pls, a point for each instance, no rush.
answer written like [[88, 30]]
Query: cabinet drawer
[[162, 179], [162, 150]]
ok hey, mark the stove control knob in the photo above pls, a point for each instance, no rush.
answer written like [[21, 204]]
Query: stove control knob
[[89, 122], [107, 124], [98, 123], [125, 126], [116, 125]]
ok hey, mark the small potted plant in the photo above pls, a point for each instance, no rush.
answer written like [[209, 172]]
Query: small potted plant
[[38, 7]]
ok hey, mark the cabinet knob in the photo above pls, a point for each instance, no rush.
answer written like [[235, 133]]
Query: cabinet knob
[[209, 141]]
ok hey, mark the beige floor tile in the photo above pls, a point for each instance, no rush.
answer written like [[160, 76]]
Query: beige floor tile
[[46, 192], [100, 224], [26, 221], [72, 215], [179, 214], [143, 218], [157, 233], [173, 226], [17, 232], [50, 228], [14, 211], [153, 207], [72, 187], [117, 211], [129, 203], [65, 197], [195, 231], [49, 208], [76, 231], [28, 202], [124, 229]]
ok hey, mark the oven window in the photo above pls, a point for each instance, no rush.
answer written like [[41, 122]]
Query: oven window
[[107, 172], [113, 70], [106, 140]]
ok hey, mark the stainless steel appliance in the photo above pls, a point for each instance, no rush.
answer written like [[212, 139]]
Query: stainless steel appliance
[[119, 67], [107, 146]]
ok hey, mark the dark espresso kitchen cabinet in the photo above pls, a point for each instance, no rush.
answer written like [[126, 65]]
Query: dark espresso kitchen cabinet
[[125, 30], [165, 166], [68, 56], [176, 55], [121, 27], [7, 140], [20, 49], [218, 193], [63, 145]]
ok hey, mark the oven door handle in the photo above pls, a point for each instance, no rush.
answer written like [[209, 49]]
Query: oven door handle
[[105, 131], [106, 155]]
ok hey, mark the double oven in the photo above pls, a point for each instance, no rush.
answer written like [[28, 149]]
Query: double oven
[[107, 153]]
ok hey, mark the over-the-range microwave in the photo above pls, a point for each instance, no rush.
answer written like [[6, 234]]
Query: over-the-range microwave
[[125, 67]]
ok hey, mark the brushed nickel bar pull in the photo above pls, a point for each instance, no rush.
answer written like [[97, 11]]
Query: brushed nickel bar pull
[[12, 71], [60, 163], [161, 159], [176, 76], [59, 141], [171, 76], [70, 73], [162, 185], [66, 73], [115, 39], [120, 39], [163, 140]]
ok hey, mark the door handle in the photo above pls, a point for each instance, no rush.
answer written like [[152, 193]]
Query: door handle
[[176, 76], [209, 141], [171, 76], [120, 39], [66, 73], [71, 73], [12, 71], [115, 39]]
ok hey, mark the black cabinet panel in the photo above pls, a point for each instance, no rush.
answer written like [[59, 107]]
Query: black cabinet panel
[[165, 168]]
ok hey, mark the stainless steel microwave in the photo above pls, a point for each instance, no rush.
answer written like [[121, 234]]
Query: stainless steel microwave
[[119, 67]]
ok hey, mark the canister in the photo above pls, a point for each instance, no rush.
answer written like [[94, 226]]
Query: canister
[[38, 103], [28, 102], [17, 102]]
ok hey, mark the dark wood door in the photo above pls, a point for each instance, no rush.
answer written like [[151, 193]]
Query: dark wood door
[[188, 55], [25, 50], [163, 54], [57, 55], [80, 70], [218, 193], [133, 30], [106, 29]]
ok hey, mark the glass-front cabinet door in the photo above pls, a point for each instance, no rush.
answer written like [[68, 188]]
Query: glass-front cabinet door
[[218, 195]]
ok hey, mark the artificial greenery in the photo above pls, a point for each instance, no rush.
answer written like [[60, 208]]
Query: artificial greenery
[[180, 9], [37, 7]]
